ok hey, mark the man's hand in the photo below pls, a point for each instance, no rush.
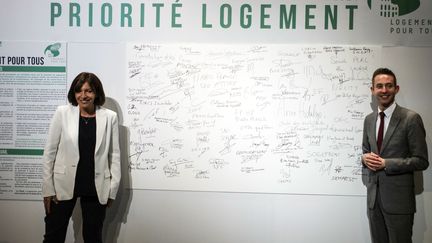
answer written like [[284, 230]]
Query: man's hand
[[373, 161]]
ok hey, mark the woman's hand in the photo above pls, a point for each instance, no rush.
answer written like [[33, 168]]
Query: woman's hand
[[110, 202], [47, 203]]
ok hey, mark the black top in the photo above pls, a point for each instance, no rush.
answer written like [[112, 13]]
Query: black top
[[85, 175]]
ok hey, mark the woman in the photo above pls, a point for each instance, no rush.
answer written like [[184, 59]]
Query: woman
[[81, 159]]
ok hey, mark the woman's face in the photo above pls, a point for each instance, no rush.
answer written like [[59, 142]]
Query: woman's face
[[85, 97]]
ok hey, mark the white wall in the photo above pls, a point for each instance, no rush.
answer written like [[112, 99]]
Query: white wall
[[147, 216]]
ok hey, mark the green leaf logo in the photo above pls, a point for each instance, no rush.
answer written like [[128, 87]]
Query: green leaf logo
[[53, 49]]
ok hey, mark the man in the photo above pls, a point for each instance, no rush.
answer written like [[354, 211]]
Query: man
[[392, 151]]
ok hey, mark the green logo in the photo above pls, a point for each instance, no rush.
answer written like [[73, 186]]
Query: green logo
[[53, 49], [393, 8]]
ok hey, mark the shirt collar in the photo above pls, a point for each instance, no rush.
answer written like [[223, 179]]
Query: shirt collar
[[389, 111]]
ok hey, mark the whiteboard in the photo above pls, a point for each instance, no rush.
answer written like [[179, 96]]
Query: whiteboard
[[248, 118]]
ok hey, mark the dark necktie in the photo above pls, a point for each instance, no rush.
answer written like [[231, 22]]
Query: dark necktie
[[380, 131]]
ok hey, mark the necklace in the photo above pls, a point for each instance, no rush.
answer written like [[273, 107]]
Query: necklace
[[86, 120]]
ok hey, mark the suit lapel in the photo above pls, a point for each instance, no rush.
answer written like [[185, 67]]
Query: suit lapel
[[74, 131], [372, 133], [101, 123], [394, 121]]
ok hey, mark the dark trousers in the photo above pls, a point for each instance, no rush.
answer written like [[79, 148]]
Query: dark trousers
[[389, 228], [93, 216]]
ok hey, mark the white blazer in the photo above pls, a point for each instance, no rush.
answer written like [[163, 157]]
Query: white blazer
[[61, 154]]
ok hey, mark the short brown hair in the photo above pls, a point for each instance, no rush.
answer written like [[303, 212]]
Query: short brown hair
[[95, 84], [383, 71]]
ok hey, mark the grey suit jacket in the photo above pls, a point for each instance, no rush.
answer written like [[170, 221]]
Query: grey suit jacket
[[405, 151]]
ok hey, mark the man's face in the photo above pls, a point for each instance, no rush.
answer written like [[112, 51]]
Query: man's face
[[384, 90]]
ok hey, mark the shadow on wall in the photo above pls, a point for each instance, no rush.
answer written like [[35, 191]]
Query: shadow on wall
[[117, 214]]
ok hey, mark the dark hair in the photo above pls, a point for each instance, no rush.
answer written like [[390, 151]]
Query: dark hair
[[95, 85], [383, 71]]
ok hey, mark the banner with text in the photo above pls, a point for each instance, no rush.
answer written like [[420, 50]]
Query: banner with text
[[382, 22], [32, 85]]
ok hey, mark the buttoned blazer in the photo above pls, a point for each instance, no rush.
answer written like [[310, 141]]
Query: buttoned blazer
[[61, 154], [405, 151]]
